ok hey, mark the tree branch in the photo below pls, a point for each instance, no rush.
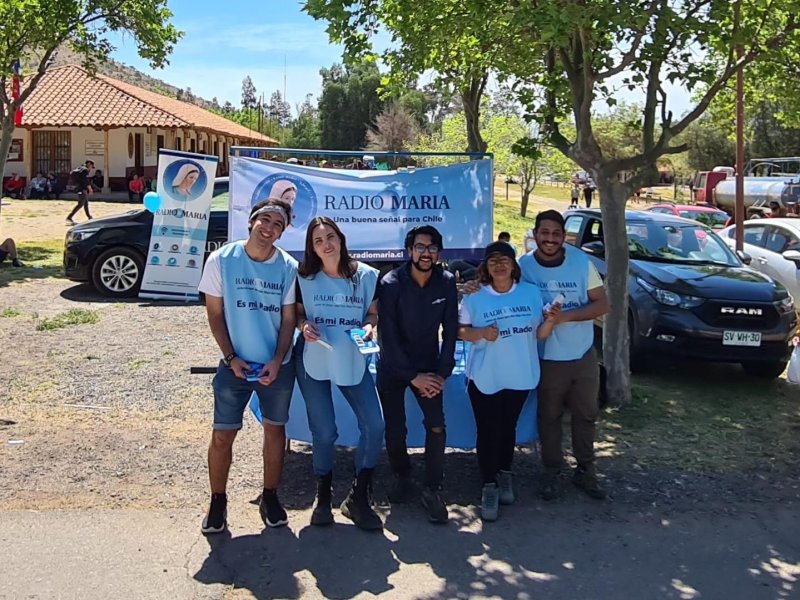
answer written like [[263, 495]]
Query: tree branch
[[629, 56], [730, 70]]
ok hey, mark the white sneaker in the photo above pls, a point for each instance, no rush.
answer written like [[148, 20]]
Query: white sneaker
[[69, 222], [490, 500]]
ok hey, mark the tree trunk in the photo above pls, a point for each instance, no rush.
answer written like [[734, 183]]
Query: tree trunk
[[616, 357], [5, 143], [471, 98], [523, 207]]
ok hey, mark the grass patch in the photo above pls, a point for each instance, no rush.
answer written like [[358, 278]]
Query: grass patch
[[137, 364], [41, 260], [706, 417], [76, 316], [10, 313]]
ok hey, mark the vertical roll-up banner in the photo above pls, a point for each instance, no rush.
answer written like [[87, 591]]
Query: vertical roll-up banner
[[180, 225]]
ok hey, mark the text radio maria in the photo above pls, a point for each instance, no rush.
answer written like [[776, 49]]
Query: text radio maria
[[422, 202], [181, 213]]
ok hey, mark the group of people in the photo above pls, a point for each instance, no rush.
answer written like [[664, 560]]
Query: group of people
[[41, 187], [575, 194], [530, 325]]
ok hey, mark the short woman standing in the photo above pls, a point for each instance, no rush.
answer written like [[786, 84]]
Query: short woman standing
[[336, 293], [503, 321]]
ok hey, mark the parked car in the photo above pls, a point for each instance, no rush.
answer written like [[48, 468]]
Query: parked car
[[693, 300], [709, 216], [774, 245], [110, 252]]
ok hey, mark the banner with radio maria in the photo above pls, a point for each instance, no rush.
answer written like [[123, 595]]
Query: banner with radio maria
[[180, 225], [374, 209]]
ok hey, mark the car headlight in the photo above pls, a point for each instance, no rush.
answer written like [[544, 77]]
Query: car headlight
[[786, 305], [80, 235], [669, 298]]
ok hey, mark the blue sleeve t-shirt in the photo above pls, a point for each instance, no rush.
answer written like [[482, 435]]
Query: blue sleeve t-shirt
[[569, 341], [512, 360], [253, 293], [334, 305]]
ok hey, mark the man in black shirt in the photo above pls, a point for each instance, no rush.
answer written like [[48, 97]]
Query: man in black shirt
[[414, 302], [83, 188]]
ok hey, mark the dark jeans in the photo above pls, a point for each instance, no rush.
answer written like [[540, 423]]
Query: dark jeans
[[392, 395], [83, 203], [570, 384], [496, 417]]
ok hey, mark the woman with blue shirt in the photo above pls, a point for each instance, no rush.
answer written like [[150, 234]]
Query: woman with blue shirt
[[503, 321], [334, 294]]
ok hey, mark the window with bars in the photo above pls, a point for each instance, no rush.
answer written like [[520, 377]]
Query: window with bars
[[52, 151]]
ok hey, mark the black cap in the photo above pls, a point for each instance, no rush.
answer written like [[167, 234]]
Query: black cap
[[502, 248]]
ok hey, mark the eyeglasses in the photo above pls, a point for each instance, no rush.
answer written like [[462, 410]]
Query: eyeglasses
[[430, 249]]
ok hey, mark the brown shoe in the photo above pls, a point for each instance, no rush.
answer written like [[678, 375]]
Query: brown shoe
[[586, 479]]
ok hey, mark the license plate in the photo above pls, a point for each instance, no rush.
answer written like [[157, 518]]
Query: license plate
[[741, 338]]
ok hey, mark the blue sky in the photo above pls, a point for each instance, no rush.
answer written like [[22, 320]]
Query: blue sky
[[224, 41]]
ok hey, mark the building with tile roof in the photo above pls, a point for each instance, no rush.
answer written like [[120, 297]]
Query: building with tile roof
[[73, 116]]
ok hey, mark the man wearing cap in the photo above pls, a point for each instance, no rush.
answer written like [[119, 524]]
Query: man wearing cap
[[570, 375], [250, 302], [83, 187], [415, 301]]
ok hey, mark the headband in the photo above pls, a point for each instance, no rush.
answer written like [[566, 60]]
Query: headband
[[271, 208]]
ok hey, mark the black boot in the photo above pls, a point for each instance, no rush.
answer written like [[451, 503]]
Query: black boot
[[322, 514], [357, 506]]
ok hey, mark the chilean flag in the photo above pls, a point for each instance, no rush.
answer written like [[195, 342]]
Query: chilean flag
[[15, 93]]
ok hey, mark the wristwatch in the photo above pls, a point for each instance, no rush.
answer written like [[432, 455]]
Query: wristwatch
[[226, 360]]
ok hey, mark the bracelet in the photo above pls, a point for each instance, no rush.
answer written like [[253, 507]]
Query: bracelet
[[226, 360]]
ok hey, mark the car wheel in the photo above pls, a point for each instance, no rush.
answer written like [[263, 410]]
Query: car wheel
[[765, 370], [118, 272]]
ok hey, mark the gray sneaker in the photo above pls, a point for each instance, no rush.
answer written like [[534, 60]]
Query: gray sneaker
[[506, 485], [490, 500]]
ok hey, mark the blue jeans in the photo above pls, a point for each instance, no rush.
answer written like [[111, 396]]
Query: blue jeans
[[363, 399], [232, 395]]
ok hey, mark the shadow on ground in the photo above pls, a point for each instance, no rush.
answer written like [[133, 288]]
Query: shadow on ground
[[29, 255]]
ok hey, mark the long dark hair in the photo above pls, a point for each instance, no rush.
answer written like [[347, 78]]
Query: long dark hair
[[312, 264]]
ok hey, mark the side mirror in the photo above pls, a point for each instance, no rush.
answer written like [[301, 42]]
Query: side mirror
[[794, 256], [596, 248], [744, 257]]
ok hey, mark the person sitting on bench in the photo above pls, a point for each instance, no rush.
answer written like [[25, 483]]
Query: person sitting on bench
[[14, 187]]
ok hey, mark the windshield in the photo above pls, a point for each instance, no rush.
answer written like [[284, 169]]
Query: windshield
[[713, 219], [678, 243]]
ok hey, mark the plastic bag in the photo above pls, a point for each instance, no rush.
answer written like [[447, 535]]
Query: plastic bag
[[793, 375]]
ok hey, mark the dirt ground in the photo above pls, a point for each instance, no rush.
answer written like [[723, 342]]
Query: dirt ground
[[108, 415], [44, 220]]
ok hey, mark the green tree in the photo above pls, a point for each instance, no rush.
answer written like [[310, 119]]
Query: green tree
[[304, 131], [565, 57], [461, 59], [349, 103], [248, 93], [34, 29], [279, 110]]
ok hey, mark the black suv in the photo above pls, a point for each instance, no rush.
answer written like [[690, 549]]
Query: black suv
[[111, 252], [691, 296]]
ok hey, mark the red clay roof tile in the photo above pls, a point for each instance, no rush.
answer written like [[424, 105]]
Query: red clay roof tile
[[70, 97]]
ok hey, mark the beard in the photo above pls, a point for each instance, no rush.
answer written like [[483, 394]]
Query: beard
[[424, 267]]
